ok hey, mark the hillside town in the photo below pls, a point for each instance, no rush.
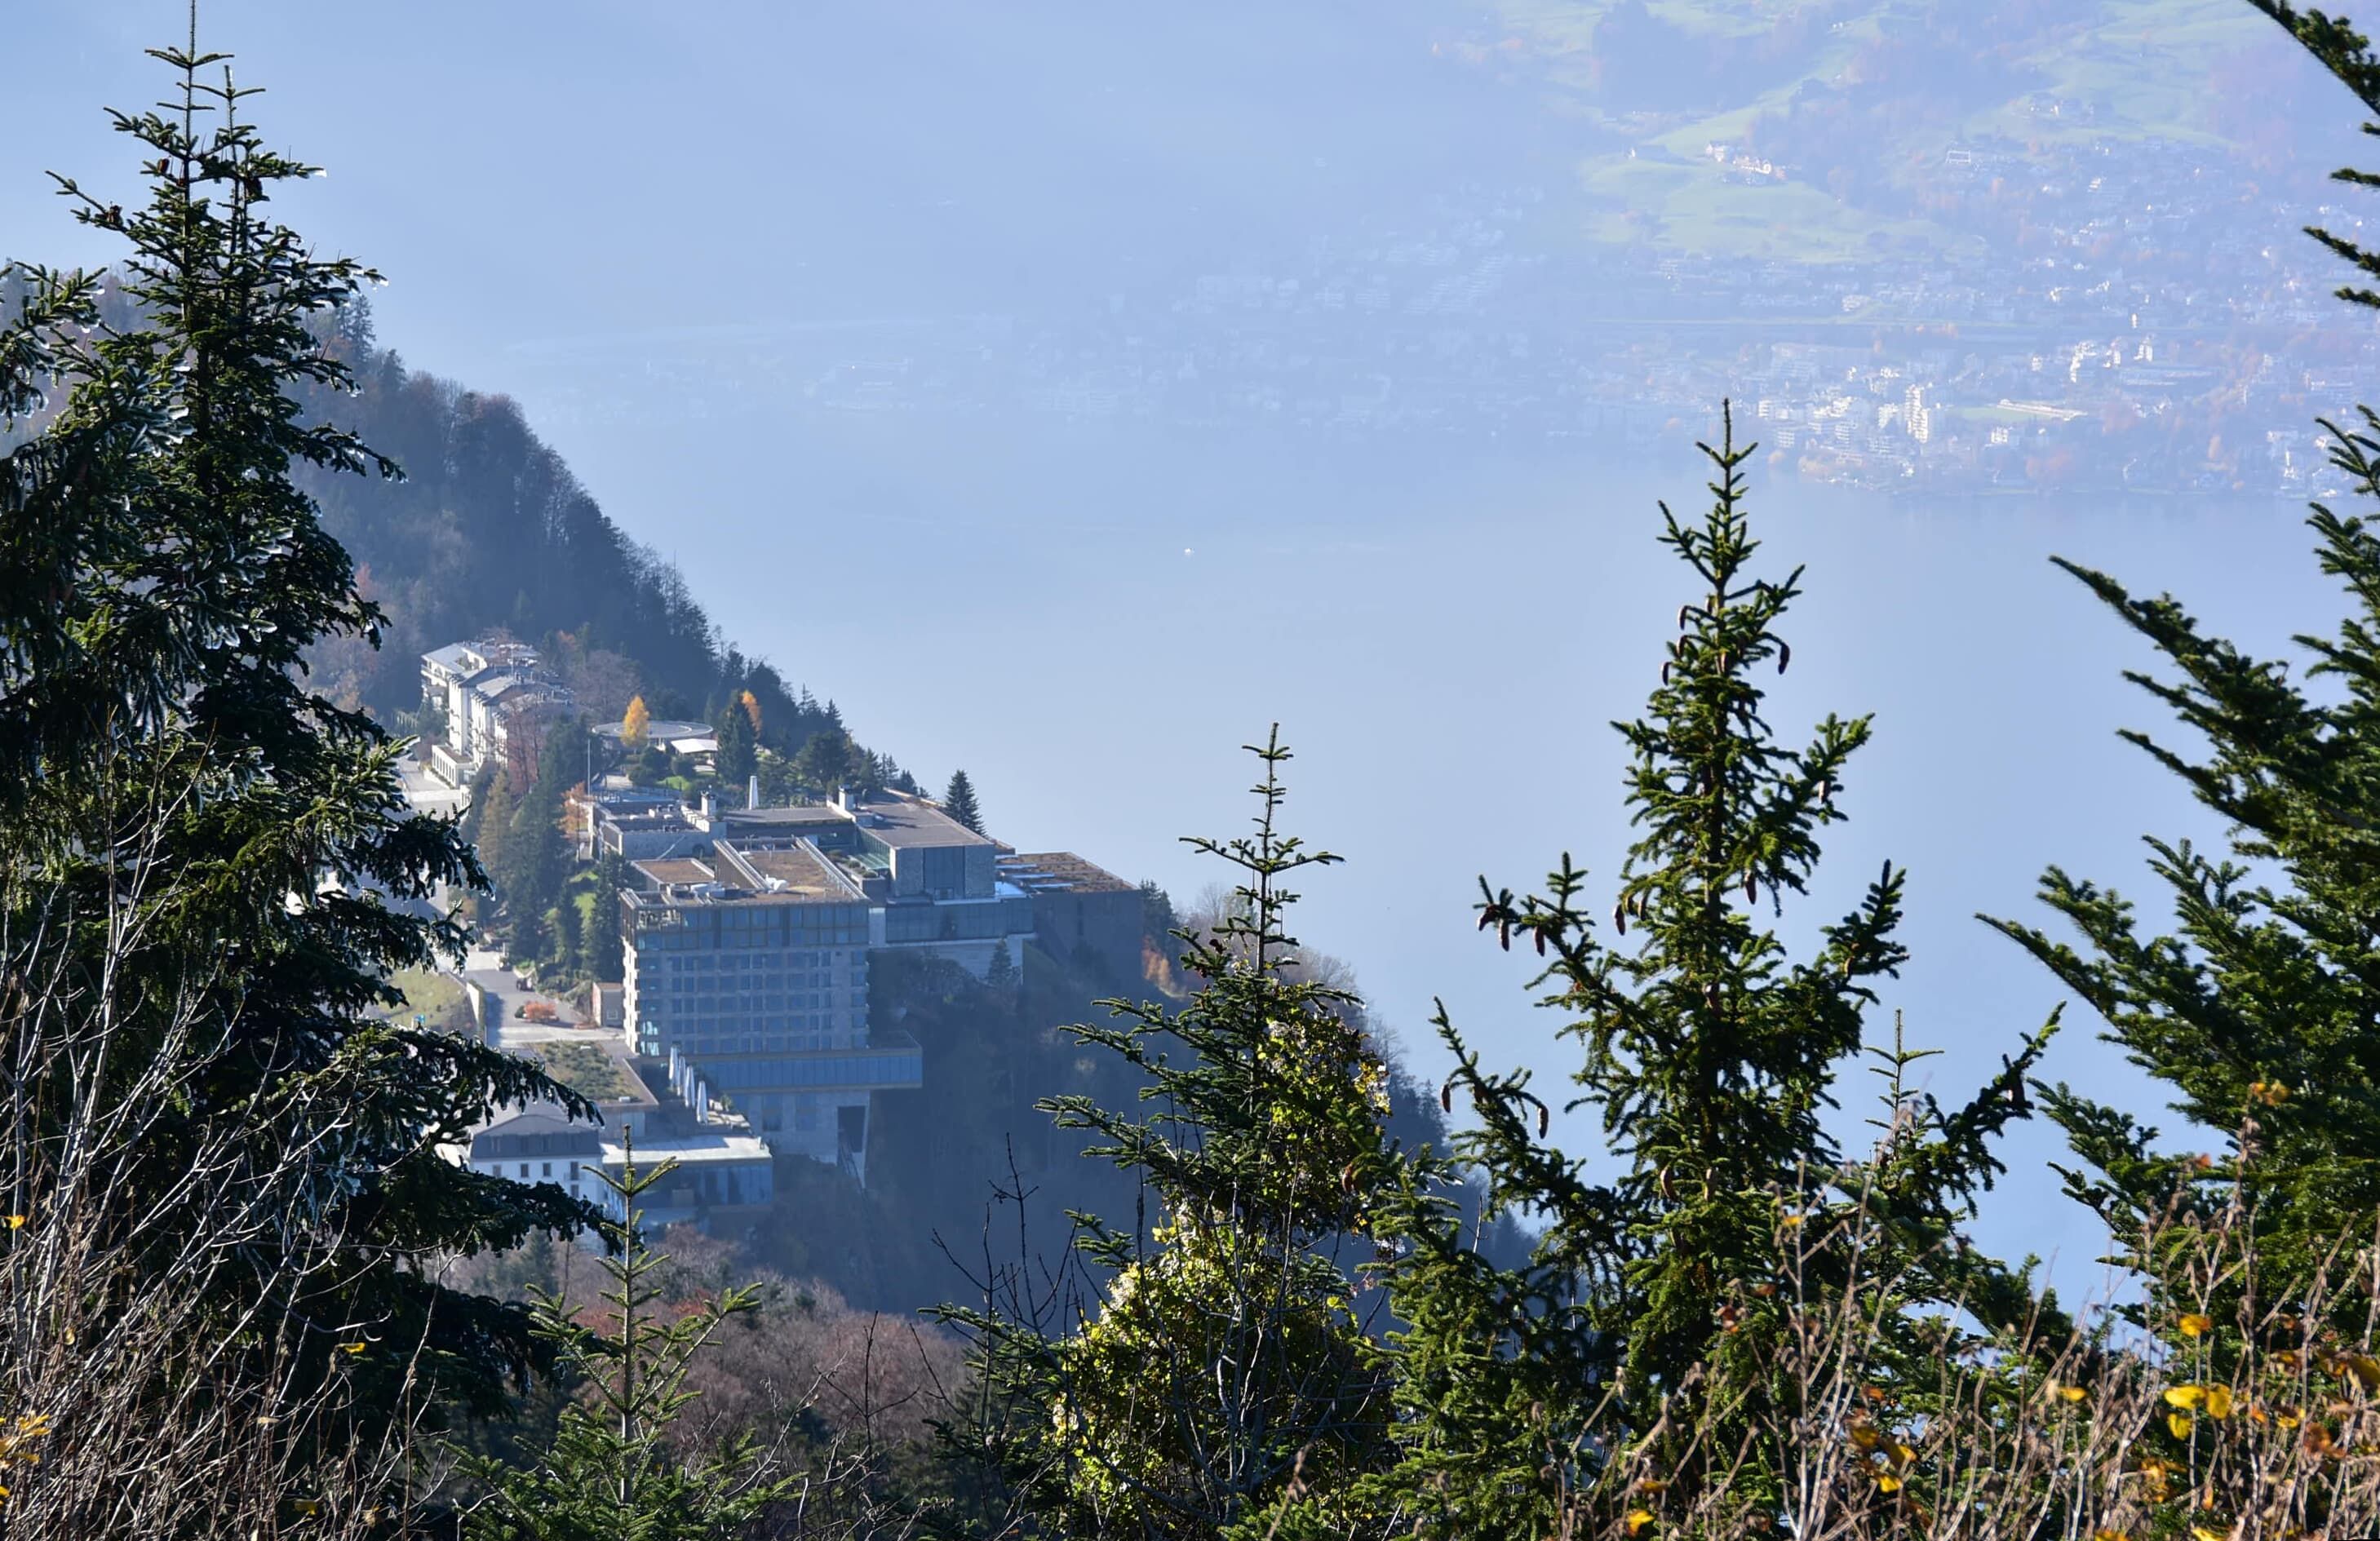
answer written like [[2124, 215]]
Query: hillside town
[[740, 1029], [2126, 314]]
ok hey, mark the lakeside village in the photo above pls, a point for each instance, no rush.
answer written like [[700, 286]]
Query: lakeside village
[[2128, 315], [738, 1032]]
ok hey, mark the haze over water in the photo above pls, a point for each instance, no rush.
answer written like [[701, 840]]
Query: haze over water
[[1021, 602], [1090, 617]]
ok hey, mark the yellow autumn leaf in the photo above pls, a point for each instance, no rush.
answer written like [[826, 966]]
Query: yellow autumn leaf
[[2196, 1325], [2180, 1423], [2206, 1532], [2105, 1535], [2073, 1393], [2363, 1367], [353, 1348], [1639, 1518], [1902, 1454], [1865, 1436], [16, 1223], [1887, 1482], [2185, 1396], [2219, 1402]]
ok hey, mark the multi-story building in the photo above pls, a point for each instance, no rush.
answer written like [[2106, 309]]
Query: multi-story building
[[748, 975], [748, 946], [494, 699], [1082, 911]]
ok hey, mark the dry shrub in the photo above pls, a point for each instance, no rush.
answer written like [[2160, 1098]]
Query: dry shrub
[[154, 1379], [2214, 1405]]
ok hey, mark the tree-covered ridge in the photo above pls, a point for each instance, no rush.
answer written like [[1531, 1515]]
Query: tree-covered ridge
[[490, 531]]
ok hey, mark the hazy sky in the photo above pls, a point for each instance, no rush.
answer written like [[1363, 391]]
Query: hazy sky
[[527, 172], [524, 170]]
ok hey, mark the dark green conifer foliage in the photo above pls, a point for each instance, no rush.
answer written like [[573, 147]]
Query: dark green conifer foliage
[[490, 827], [1710, 1058], [958, 801], [201, 853], [606, 953], [612, 1472], [2257, 1006], [1217, 1379], [569, 941], [738, 756]]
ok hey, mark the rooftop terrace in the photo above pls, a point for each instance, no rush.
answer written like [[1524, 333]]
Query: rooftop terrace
[[1062, 871], [794, 872]]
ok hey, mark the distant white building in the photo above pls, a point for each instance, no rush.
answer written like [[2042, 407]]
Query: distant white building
[[493, 698], [720, 1165], [717, 1168]]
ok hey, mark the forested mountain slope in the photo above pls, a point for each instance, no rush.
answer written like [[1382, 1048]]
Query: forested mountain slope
[[488, 529], [1851, 104]]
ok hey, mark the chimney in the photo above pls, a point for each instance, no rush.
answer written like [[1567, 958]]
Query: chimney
[[752, 792], [709, 809]]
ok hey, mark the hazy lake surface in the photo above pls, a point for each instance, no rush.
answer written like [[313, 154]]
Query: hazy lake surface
[[1091, 619]]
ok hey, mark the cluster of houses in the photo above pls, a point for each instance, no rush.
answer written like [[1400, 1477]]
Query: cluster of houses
[[748, 931]]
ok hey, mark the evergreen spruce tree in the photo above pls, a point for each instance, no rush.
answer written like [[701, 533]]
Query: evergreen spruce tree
[[2257, 1007], [736, 758], [210, 869], [605, 949], [493, 811], [958, 801], [569, 941], [1002, 975], [1645, 1327], [610, 1474], [1221, 1381]]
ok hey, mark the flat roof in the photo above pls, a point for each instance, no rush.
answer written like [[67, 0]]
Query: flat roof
[[656, 818], [903, 825], [597, 1067], [677, 871], [797, 868], [799, 815], [657, 728], [689, 1149], [1064, 870], [794, 872]]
